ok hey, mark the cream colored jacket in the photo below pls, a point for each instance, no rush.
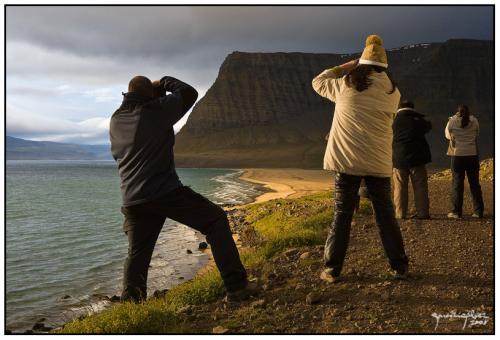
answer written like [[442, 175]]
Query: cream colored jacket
[[360, 140], [463, 140]]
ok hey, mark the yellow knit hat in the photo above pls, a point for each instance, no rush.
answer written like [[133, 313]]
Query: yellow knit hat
[[374, 52]]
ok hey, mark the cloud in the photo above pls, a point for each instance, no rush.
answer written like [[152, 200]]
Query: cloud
[[70, 64], [25, 124], [106, 94], [27, 62], [172, 32]]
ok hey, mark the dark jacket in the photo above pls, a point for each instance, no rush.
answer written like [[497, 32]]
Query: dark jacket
[[409, 147], [142, 140]]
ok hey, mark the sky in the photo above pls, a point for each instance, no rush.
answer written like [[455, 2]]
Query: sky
[[67, 66]]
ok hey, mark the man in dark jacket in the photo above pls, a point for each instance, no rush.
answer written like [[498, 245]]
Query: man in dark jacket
[[142, 143], [410, 154]]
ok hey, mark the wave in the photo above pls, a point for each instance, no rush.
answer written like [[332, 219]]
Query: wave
[[233, 190]]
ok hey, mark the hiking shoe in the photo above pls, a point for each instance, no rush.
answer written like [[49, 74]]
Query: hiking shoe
[[328, 277], [453, 215], [252, 289], [401, 274], [476, 215]]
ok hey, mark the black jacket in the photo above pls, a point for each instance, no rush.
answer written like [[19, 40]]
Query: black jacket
[[409, 147], [142, 140]]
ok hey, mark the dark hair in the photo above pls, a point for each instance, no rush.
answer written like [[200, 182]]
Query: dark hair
[[406, 103], [141, 85], [463, 111], [359, 77]]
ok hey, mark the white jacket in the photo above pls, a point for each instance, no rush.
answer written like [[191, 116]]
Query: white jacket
[[360, 140], [463, 140]]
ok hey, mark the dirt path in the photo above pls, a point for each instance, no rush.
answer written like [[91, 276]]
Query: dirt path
[[451, 264]]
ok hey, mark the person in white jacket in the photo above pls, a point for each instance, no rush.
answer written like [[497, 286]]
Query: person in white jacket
[[360, 147], [462, 131]]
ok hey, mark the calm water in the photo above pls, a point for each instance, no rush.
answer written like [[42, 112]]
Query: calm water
[[65, 238]]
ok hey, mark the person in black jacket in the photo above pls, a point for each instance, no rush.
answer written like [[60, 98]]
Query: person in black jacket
[[410, 154], [142, 143]]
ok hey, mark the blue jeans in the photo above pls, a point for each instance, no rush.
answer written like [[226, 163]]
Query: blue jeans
[[346, 194]]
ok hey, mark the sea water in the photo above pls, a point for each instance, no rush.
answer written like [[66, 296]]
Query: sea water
[[64, 240]]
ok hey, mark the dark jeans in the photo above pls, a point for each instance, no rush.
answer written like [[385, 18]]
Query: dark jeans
[[461, 165], [144, 222], [346, 192]]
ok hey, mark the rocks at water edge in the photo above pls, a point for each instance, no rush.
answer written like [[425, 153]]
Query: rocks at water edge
[[160, 293], [40, 327]]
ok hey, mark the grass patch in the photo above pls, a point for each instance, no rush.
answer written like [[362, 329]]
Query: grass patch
[[282, 223], [287, 223], [154, 316], [365, 207]]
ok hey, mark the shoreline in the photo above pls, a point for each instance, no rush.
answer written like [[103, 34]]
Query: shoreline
[[288, 264], [287, 183], [275, 184], [100, 301]]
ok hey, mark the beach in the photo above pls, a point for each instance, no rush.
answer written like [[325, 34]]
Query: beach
[[279, 183], [288, 183]]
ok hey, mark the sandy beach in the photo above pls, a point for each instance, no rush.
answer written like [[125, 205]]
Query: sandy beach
[[288, 183]]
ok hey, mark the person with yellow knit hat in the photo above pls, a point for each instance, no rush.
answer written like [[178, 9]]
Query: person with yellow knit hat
[[360, 147]]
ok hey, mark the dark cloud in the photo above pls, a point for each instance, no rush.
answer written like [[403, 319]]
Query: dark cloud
[[110, 40], [95, 50], [102, 44], [173, 32]]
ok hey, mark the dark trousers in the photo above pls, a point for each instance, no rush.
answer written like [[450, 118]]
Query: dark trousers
[[461, 165], [346, 193], [144, 222]]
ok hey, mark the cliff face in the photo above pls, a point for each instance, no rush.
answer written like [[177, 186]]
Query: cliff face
[[262, 111]]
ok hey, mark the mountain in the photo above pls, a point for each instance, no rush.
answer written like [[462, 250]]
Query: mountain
[[17, 149], [262, 111]]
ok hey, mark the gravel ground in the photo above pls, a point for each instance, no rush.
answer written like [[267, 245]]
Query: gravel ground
[[451, 274]]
